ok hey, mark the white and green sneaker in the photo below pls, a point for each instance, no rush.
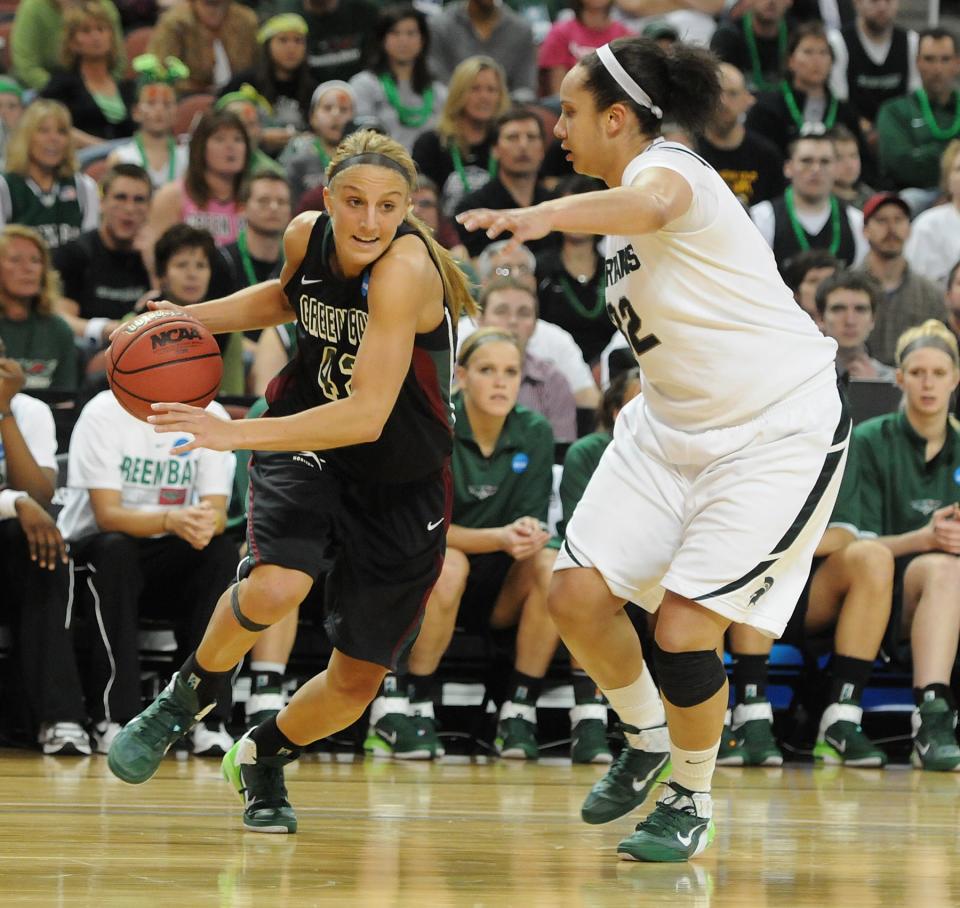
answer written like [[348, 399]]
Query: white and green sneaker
[[393, 734], [679, 828], [588, 734], [841, 740], [752, 725], [517, 732]]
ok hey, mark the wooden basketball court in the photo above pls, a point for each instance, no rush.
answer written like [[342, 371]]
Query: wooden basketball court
[[465, 833]]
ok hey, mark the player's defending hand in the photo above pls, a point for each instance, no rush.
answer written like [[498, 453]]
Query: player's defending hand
[[524, 223], [208, 431]]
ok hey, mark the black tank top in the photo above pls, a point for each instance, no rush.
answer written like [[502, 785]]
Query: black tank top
[[331, 318], [786, 245], [871, 84]]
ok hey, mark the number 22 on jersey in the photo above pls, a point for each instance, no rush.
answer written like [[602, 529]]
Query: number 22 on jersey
[[625, 317]]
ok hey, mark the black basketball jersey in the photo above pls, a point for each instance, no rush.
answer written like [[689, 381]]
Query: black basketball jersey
[[870, 84], [786, 244], [331, 318]]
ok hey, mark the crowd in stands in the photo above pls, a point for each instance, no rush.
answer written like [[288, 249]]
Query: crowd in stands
[[157, 149]]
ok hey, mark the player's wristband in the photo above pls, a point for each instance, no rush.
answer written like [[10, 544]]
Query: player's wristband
[[8, 502], [93, 332]]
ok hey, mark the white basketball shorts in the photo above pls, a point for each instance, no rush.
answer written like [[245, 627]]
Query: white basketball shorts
[[729, 518]]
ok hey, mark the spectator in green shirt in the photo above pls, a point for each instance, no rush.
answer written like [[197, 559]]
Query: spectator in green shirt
[[38, 339], [908, 474], [913, 130], [497, 567]]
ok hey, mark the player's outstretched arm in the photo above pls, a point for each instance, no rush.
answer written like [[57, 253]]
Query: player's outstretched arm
[[262, 305], [657, 197]]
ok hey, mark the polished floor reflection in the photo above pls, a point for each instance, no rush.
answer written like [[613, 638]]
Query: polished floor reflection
[[466, 834]]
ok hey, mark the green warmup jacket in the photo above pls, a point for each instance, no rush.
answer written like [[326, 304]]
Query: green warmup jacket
[[515, 481]]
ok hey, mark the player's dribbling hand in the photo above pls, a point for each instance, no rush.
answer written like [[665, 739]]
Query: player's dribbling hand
[[524, 223], [149, 305], [208, 431]]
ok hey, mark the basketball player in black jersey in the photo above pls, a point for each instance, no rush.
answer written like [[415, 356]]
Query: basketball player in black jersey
[[349, 474]]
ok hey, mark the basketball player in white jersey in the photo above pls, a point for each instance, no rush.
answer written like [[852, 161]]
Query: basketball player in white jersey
[[721, 476]]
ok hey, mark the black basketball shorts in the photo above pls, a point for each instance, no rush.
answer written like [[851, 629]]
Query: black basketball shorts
[[380, 544]]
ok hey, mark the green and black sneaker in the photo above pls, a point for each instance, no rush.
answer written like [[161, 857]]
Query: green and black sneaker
[[393, 734], [517, 732], [626, 784], [934, 737], [138, 748], [679, 828], [261, 788], [753, 726], [588, 734], [841, 740]]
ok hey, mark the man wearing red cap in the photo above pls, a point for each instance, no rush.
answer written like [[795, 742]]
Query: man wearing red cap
[[909, 299]]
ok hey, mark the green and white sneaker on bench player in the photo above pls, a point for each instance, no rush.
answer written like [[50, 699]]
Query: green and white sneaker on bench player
[[628, 781], [731, 751], [679, 828], [261, 707], [136, 751], [935, 737], [261, 787], [753, 726], [588, 734], [517, 732], [393, 734], [424, 720], [841, 740]]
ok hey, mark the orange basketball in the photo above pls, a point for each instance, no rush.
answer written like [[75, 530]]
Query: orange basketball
[[163, 356]]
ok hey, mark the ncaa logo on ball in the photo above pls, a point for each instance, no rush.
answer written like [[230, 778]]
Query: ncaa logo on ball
[[520, 463], [177, 335]]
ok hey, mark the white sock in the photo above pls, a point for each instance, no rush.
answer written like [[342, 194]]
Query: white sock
[[639, 704], [693, 769], [258, 666]]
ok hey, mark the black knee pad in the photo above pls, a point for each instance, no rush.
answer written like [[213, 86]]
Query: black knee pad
[[242, 619], [687, 679]]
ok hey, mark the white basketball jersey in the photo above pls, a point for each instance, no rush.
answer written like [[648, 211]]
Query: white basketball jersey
[[717, 333]]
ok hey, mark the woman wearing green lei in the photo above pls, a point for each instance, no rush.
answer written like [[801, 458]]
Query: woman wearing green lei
[[396, 90], [802, 103], [154, 146]]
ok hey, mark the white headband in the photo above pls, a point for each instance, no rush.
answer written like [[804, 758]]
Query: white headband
[[623, 79]]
